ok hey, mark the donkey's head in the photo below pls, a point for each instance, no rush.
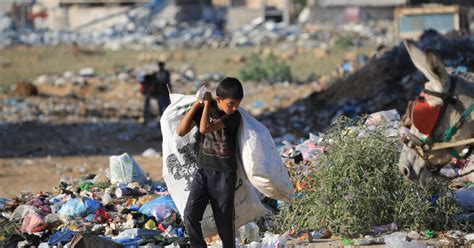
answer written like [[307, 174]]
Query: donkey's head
[[432, 116]]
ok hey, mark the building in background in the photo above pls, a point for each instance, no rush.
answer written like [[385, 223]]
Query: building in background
[[241, 12], [411, 21], [341, 11], [90, 15]]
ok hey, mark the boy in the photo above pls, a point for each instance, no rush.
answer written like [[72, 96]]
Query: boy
[[215, 179]]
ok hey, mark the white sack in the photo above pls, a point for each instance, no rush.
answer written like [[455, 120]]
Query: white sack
[[124, 169], [179, 165], [262, 162]]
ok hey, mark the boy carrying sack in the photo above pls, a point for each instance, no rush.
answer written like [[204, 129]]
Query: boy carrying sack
[[215, 180]]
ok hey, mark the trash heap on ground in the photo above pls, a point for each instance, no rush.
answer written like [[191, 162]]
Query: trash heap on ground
[[128, 209], [389, 80], [123, 208]]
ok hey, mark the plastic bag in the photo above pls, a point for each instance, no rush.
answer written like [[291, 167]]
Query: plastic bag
[[124, 169], [61, 237], [200, 93], [160, 208], [136, 232], [32, 222], [249, 233], [262, 162], [21, 211], [77, 207]]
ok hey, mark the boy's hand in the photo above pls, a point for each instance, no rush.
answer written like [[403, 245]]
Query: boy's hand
[[198, 103], [207, 98]]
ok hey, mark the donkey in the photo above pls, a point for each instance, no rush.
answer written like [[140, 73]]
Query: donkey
[[442, 119]]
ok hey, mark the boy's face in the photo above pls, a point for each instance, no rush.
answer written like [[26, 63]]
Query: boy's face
[[228, 105]]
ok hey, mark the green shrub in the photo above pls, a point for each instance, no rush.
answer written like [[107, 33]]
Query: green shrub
[[356, 185], [268, 69]]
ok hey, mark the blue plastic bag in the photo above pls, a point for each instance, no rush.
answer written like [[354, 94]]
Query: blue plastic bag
[[62, 236], [78, 208], [91, 205], [73, 208], [160, 203]]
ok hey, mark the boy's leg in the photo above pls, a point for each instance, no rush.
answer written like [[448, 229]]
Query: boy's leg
[[195, 206], [222, 191]]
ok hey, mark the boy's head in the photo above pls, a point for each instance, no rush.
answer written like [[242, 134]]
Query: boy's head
[[229, 94]]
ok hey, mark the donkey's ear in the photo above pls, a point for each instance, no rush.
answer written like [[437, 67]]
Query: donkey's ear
[[429, 63]]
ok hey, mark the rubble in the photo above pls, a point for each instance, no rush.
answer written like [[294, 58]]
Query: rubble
[[387, 81], [165, 33]]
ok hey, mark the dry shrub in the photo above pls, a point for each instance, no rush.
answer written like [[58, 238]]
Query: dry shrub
[[356, 186]]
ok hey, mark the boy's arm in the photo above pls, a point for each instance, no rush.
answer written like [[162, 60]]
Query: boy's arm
[[205, 126], [187, 123]]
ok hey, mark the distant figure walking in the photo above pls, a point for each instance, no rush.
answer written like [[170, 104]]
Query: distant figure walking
[[156, 85], [164, 86]]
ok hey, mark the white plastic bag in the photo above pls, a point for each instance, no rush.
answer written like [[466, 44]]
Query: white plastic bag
[[261, 160], [124, 169], [200, 93], [179, 165]]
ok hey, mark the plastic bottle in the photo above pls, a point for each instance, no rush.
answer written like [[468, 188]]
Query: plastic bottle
[[369, 241], [106, 199], [321, 234], [124, 191], [384, 228]]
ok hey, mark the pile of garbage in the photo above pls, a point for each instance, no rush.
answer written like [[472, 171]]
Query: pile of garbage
[[158, 32], [123, 208], [387, 81]]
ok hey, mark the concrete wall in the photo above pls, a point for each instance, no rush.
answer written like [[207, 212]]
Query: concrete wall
[[279, 4], [57, 16], [239, 16], [71, 14], [5, 7], [336, 14], [78, 16]]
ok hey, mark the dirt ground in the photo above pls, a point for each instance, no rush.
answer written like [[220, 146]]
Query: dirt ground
[[43, 173]]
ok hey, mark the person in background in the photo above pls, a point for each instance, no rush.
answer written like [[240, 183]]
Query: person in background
[[155, 85], [163, 80]]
